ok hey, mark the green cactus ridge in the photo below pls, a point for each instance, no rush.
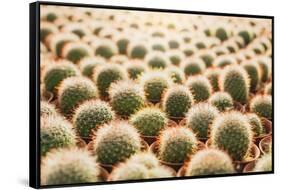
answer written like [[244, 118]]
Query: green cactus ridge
[[55, 73], [176, 144], [74, 91], [177, 101], [91, 114], [264, 163], [115, 142], [200, 88], [69, 166], [106, 75], [262, 106], [149, 121], [222, 100], [235, 81], [55, 132], [256, 124], [210, 162], [231, 132], [200, 118], [126, 97], [254, 74]]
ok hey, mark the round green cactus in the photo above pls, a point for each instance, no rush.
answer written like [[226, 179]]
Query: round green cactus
[[157, 60], [222, 33], [107, 74], [200, 118], [193, 67], [149, 121], [177, 101], [246, 35], [176, 144], [154, 85], [224, 60], [69, 166], [222, 100], [255, 123], [253, 71], [231, 132], [200, 88], [189, 50], [210, 162], [47, 109], [175, 56], [74, 91], [268, 89], [264, 64], [88, 64], [158, 45], [264, 163], [118, 139], [235, 81], [59, 40], [122, 44], [55, 132], [176, 74], [75, 51], [207, 57], [135, 69], [262, 106], [91, 114], [46, 29], [53, 74], [212, 75], [126, 97], [138, 50], [106, 49]]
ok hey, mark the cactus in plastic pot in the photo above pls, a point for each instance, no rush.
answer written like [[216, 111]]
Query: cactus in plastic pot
[[55, 132], [253, 71], [69, 166], [177, 101], [74, 91], [118, 139], [126, 97], [210, 162], [199, 87], [176, 144], [235, 81], [231, 132], [90, 115], [256, 124], [262, 106], [222, 100], [149, 121]]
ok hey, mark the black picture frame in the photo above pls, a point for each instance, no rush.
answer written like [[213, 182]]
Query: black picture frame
[[34, 90]]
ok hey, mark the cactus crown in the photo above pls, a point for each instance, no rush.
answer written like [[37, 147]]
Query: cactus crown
[[176, 144], [254, 73], [262, 106], [137, 50], [157, 60], [200, 117], [106, 49], [255, 123], [210, 162], [68, 166], [135, 69], [193, 67], [75, 51], [200, 87], [222, 100], [126, 97], [149, 121], [232, 133], [88, 64]]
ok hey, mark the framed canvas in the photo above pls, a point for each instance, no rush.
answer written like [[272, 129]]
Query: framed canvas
[[127, 94]]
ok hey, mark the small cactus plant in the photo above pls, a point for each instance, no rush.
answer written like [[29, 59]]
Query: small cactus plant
[[122, 43], [222, 33], [209, 162], [73, 91], [75, 51], [176, 144], [177, 101], [264, 163], [106, 49], [222, 100], [59, 40], [157, 60], [53, 74], [231, 132], [200, 88], [193, 67], [88, 64], [247, 36], [154, 85], [176, 74], [200, 118], [118, 139], [129, 171], [91, 114], [138, 50], [207, 57], [264, 64], [176, 57], [107, 74], [135, 69], [47, 109], [126, 97], [262, 106], [213, 76], [235, 81], [224, 60], [253, 71], [69, 166], [256, 124], [149, 121], [55, 132]]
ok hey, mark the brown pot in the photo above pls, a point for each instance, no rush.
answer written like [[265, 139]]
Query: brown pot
[[171, 123], [175, 166], [267, 125], [238, 106], [149, 139], [239, 165], [249, 167], [183, 122], [176, 119], [103, 174], [48, 96], [264, 144], [181, 171], [81, 143]]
